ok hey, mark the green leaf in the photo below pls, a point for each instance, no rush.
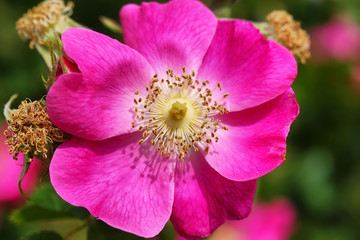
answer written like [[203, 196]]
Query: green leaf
[[45, 196], [98, 230], [168, 232], [69, 228], [8, 229], [33, 213], [45, 206], [44, 235]]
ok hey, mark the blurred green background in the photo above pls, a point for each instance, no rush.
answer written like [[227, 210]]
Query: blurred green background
[[321, 175]]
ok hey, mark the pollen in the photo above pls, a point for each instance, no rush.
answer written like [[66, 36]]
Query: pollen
[[289, 33], [38, 20], [177, 114], [30, 130]]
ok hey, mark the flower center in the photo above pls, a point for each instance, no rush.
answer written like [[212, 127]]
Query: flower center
[[178, 114], [177, 111]]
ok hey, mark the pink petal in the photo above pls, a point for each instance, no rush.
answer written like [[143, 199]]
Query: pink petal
[[170, 35], [96, 103], [117, 180], [256, 140], [10, 171], [204, 199], [9, 176], [253, 70], [271, 221]]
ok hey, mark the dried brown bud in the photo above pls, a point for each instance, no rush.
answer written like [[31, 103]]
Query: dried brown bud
[[38, 20], [30, 131], [289, 33]]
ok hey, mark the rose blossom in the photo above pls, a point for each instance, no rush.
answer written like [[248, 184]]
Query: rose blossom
[[337, 39], [270, 221], [176, 124]]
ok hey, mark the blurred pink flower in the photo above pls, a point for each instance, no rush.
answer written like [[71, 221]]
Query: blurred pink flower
[[170, 152], [267, 221], [337, 39], [10, 171]]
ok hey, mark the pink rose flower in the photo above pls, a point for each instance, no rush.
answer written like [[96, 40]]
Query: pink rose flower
[[10, 171], [152, 144], [270, 221], [337, 39]]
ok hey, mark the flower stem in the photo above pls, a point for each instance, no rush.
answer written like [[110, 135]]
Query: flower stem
[[89, 220]]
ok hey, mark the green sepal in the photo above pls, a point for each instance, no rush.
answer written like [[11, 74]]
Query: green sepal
[[111, 24], [52, 62], [26, 166], [7, 109]]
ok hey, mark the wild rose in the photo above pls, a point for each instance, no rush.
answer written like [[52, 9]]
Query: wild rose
[[270, 221], [177, 124], [337, 39]]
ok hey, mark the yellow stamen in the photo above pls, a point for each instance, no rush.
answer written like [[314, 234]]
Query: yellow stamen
[[176, 117]]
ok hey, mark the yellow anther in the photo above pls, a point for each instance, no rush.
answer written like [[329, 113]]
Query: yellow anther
[[206, 149]]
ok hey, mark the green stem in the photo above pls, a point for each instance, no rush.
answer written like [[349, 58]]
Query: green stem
[[77, 229]]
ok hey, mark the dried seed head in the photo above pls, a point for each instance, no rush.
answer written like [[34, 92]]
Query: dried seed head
[[289, 33], [30, 130], [38, 20]]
